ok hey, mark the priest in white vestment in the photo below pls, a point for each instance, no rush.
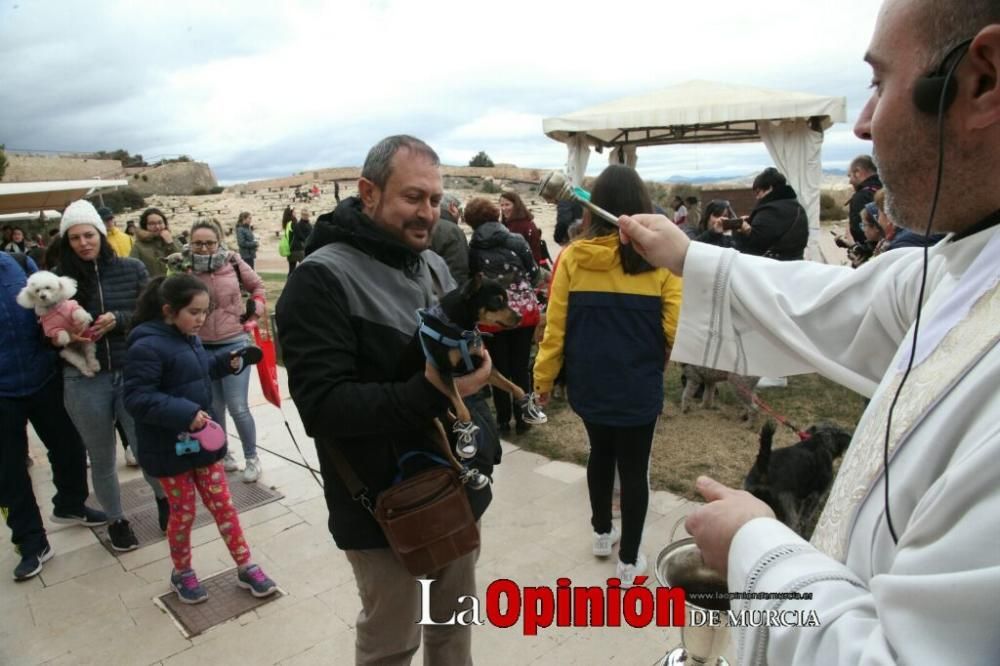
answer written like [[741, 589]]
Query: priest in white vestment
[[932, 597]]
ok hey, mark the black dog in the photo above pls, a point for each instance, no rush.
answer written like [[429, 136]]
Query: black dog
[[794, 480]]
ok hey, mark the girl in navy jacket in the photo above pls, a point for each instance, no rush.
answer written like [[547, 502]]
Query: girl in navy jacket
[[169, 393]]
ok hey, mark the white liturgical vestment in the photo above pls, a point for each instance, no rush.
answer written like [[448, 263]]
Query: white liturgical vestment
[[932, 598]]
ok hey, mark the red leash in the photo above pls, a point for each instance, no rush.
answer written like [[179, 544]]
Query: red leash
[[803, 436]]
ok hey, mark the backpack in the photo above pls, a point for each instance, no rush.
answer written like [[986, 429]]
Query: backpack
[[285, 244]]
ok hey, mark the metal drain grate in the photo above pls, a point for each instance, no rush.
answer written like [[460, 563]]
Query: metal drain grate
[[225, 601], [139, 505]]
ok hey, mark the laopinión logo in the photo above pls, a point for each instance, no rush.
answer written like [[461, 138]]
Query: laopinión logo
[[638, 606], [567, 605]]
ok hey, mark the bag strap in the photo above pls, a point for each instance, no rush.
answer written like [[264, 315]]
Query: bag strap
[[357, 488]]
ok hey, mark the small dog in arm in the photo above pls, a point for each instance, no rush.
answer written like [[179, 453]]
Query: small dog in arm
[[63, 320], [794, 480], [450, 339], [697, 376]]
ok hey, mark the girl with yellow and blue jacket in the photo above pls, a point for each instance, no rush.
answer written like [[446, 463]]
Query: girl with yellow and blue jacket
[[611, 321]]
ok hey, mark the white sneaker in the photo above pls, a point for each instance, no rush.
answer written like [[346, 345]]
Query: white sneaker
[[627, 573], [252, 470], [130, 457], [603, 543], [772, 382], [229, 463], [530, 411]]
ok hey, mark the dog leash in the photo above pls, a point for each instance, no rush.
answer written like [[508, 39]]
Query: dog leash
[[803, 435], [314, 472]]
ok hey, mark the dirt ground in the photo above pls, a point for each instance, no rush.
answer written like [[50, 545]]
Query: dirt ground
[[714, 442]]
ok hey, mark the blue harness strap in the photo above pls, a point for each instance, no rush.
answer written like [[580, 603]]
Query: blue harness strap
[[413, 454], [469, 339]]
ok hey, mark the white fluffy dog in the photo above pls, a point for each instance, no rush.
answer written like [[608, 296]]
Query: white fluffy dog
[[62, 318]]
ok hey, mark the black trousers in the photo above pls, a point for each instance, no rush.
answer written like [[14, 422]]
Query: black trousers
[[66, 454], [511, 354], [628, 448]]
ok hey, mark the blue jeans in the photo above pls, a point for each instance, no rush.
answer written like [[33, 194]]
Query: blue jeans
[[230, 393], [94, 404]]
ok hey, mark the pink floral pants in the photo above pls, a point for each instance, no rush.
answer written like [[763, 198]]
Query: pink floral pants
[[211, 484]]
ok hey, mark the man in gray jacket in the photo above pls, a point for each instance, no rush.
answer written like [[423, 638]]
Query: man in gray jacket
[[448, 239]]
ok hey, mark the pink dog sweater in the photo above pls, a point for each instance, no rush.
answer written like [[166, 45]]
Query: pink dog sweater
[[60, 318]]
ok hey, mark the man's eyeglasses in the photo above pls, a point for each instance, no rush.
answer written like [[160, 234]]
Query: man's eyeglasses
[[204, 245]]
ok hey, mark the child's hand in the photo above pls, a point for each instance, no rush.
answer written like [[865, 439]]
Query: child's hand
[[200, 419]]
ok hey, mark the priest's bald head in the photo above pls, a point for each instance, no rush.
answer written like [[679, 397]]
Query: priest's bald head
[[915, 40]]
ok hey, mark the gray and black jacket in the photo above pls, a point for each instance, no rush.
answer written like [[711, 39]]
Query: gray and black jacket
[[346, 321]]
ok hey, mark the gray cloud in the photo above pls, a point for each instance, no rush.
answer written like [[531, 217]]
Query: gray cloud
[[266, 90]]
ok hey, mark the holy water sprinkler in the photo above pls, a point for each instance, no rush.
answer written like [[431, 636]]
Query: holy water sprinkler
[[555, 187]]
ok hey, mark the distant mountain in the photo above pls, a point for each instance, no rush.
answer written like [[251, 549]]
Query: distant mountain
[[831, 178]]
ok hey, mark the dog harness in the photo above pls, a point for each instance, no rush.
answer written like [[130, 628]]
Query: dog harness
[[468, 339]]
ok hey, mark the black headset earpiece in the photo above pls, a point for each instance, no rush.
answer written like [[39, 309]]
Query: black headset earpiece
[[929, 90]]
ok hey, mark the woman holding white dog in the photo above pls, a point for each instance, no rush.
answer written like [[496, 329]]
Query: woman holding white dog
[[107, 287], [227, 275], [611, 319]]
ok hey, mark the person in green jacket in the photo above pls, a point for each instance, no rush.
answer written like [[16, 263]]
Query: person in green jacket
[[153, 242]]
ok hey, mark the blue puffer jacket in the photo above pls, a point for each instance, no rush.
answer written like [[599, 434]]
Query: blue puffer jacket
[[26, 361], [119, 283], [168, 378]]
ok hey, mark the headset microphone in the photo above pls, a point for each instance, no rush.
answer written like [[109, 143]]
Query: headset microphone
[[936, 91]]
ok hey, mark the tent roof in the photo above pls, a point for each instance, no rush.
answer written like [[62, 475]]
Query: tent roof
[[57, 194], [693, 112]]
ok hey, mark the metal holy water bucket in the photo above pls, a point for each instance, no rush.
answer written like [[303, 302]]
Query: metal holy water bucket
[[699, 644]]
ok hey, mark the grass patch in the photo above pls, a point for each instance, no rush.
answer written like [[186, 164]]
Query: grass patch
[[714, 442], [274, 283]]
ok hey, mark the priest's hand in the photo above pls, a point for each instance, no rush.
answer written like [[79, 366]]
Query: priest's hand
[[657, 239], [714, 525]]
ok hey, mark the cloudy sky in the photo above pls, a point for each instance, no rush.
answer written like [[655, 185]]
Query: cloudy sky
[[260, 89]]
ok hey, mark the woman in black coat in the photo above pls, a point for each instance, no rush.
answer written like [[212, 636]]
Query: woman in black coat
[[778, 226]]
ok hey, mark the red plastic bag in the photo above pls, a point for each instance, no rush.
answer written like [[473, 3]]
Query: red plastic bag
[[267, 369]]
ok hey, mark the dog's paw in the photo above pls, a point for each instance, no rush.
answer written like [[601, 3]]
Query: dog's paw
[[61, 339], [82, 318]]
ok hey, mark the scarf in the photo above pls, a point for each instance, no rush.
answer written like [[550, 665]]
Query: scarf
[[208, 263]]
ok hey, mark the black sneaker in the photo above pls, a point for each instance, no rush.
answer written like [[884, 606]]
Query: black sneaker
[[121, 535], [31, 565], [521, 427], [163, 512], [86, 516]]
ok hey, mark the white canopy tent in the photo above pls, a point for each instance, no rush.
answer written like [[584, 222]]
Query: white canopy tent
[[790, 124], [50, 194]]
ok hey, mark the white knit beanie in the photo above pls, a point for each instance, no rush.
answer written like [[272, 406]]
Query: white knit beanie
[[81, 212]]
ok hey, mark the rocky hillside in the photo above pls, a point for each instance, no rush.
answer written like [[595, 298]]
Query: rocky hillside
[[173, 178]]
